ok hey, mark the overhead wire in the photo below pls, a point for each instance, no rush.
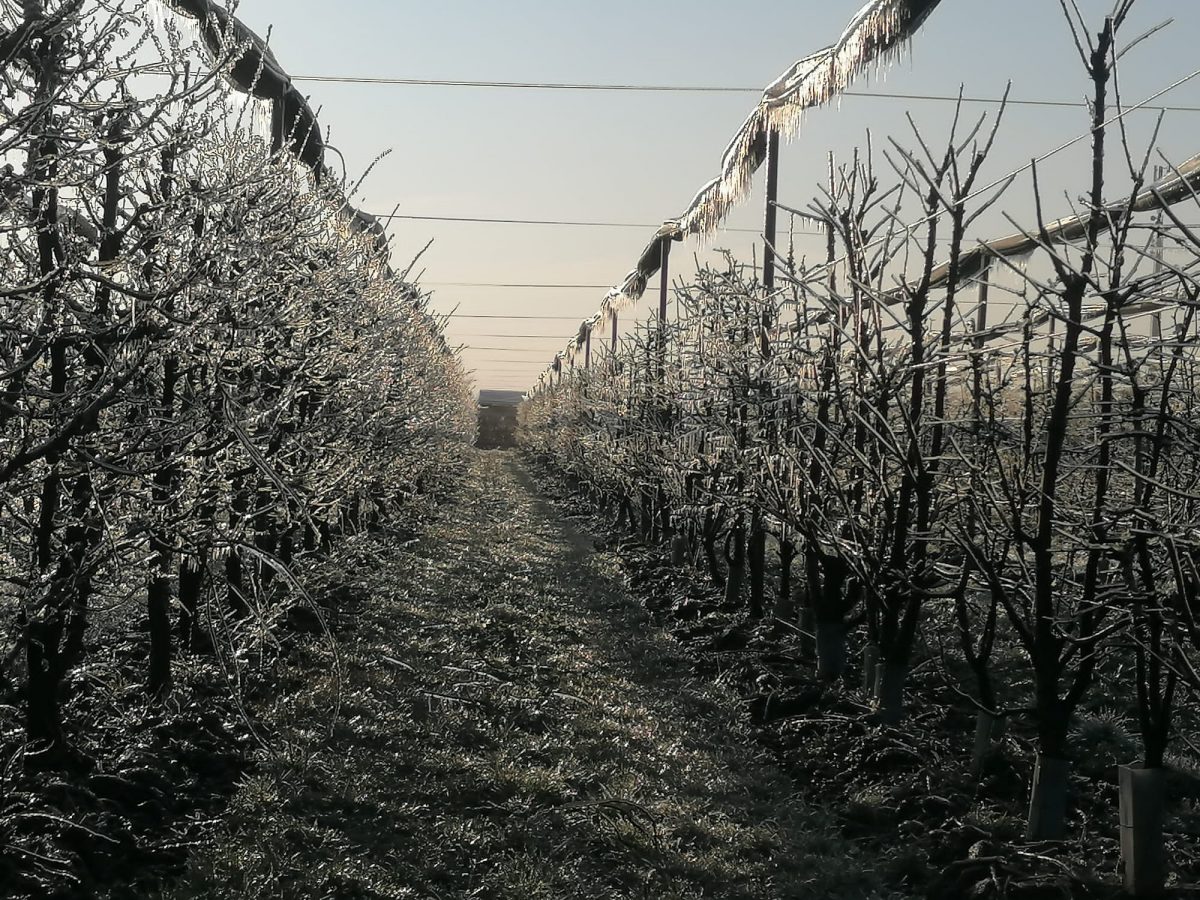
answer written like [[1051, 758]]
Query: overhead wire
[[600, 87], [492, 284], [567, 223], [454, 316], [1032, 164], [519, 350], [649, 88]]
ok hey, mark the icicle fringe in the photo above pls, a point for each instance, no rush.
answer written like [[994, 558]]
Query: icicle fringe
[[875, 37]]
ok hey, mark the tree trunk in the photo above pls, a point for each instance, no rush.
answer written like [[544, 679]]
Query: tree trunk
[[709, 542], [831, 651], [82, 537], [158, 589], [624, 515], [665, 531], [43, 718], [234, 573], [1048, 799], [266, 529], [785, 603], [735, 557], [679, 548], [988, 730], [890, 696], [191, 585], [757, 550], [870, 666], [158, 608], [287, 546]]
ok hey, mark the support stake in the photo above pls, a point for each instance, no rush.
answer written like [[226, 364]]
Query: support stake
[[770, 223], [664, 281]]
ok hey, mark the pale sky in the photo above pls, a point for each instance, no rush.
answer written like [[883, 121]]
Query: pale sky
[[640, 157]]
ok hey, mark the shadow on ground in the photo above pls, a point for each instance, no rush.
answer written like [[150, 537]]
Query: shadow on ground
[[510, 725]]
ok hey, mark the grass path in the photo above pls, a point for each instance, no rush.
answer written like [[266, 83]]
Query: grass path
[[511, 726]]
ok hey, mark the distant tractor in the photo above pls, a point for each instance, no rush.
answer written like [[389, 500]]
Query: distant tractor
[[498, 420]]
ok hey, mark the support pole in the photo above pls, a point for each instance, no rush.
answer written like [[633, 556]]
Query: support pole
[[1051, 345], [978, 343], [981, 311], [614, 333], [664, 273], [1160, 172], [587, 350], [770, 222], [664, 288]]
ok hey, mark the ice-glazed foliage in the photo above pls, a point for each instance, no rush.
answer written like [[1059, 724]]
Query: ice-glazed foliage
[[208, 368], [875, 36], [993, 444]]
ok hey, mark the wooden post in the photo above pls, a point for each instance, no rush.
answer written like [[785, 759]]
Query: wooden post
[[614, 333], [770, 222], [587, 350]]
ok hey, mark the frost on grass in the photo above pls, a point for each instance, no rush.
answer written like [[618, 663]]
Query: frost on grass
[[512, 726]]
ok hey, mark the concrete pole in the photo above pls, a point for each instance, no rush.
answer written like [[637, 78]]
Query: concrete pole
[[771, 219]]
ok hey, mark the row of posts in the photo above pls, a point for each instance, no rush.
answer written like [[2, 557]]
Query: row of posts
[[770, 227], [664, 244], [770, 231]]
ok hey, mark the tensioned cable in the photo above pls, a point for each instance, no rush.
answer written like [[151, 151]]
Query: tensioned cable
[[1036, 161], [556, 222], [531, 85], [602, 87], [531, 350], [690, 89], [493, 284], [1120, 114], [539, 318]]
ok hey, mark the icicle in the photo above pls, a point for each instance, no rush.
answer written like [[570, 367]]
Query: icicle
[[260, 118], [1022, 259], [157, 15], [876, 37], [190, 34]]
